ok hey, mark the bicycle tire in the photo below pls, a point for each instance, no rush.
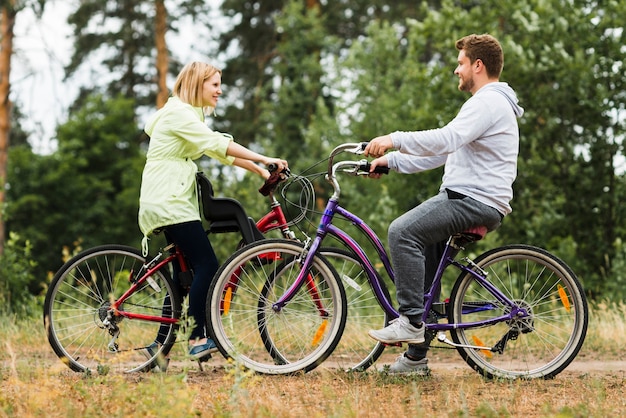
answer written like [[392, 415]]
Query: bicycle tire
[[538, 346], [356, 350], [241, 316], [78, 299]]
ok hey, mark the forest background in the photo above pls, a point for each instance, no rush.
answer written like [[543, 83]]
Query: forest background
[[301, 77]]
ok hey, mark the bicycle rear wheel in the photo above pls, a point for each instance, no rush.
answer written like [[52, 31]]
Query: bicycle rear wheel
[[79, 298], [356, 351], [540, 345], [246, 327]]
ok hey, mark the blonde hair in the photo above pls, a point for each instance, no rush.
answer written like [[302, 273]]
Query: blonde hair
[[188, 85]]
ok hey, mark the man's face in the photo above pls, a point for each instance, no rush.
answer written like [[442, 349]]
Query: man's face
[[465, 72]]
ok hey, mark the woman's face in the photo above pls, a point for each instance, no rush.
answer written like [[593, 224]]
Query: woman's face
[[211, 90]]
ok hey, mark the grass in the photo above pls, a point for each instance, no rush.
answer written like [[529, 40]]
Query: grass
[[34, 382]]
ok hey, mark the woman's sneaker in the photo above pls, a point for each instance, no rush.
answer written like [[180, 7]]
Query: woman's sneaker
[[203, 351], [405, 365]]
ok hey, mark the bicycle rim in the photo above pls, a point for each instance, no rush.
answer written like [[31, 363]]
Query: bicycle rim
[[356, 351], [538, 346], [244, 324], [77, 302]]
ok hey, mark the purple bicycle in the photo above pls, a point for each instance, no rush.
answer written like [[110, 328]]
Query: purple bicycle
[[514, 312]]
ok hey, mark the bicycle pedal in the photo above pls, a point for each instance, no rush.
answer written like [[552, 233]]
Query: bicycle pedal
[[204, 359]]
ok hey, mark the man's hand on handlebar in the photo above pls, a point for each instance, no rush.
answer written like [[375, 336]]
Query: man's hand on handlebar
[[378, 162], [378, 146]]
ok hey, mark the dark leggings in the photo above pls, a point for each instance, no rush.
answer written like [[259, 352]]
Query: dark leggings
[[192, 240]]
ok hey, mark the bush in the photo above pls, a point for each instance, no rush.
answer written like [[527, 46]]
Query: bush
[[16, 277]]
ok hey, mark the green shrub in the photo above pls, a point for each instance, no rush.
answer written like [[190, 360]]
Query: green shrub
[[16, 277]]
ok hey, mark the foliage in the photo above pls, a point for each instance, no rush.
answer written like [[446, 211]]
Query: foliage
[[120, 36], [307, 76], [86, 192], [16, 279], [260, 34], [568, 80]]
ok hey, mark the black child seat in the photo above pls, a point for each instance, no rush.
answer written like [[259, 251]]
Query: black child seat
[[225, 214]]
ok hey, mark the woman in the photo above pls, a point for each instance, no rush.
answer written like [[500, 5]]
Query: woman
[[168, 200]]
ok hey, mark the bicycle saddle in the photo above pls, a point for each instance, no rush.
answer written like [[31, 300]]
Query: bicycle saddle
[[225, 214]]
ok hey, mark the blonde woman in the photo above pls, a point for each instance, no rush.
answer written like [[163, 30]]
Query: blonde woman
[[168, 201]]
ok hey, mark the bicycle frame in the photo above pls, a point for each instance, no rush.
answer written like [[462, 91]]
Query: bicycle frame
[[326, 227], [274, 219], [151, 269]]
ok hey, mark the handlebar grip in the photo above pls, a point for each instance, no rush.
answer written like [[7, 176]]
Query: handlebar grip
[[274, 180], [379, 169], [272, 167]]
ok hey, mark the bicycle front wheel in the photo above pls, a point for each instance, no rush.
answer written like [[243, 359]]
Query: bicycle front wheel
[[77, 307], [247, 327], [356, 350], [539, 345]]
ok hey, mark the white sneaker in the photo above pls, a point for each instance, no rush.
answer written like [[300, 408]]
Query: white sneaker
[[405, 365], [399, 330]]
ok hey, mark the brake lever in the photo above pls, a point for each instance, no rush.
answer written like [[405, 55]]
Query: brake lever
[[359, 149]]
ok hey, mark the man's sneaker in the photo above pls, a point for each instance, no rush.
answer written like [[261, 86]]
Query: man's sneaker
[[399, 330], [405, 365], [203, 351], [160, 363]]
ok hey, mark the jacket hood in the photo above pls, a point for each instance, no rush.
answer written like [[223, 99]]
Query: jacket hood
[[506, 91]]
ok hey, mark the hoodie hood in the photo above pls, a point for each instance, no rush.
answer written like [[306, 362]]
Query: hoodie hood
[[506, 91]]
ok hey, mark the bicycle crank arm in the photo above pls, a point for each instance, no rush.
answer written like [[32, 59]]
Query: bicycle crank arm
[[441, 337]]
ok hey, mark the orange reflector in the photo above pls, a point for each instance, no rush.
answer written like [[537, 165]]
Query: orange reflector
[[227, 298], [564, 298], [319, 334], [479, 343], [271, 256]]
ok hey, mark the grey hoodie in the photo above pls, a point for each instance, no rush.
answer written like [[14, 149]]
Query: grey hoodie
[[479, 148]]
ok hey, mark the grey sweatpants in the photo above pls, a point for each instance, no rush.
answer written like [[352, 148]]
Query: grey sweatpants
[[428, 224]]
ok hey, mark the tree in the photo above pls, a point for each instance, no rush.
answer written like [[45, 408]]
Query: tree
[[85, 193], [8, 12], [251, 75], [564, 60], [162, 54], [128, 38]]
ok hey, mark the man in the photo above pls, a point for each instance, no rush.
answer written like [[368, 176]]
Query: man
[[478, 149]]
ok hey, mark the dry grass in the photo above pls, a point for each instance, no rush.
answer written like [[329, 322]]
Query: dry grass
[[35, 383]]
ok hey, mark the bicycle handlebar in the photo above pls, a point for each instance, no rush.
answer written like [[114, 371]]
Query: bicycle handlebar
[[356, 168], [274, 180], [363, 166]]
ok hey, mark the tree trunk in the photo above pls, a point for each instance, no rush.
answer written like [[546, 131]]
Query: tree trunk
[[7, 22], [162, 57]]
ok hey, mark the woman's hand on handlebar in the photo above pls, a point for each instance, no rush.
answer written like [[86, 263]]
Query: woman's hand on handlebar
[[274, 164], [378, 162]]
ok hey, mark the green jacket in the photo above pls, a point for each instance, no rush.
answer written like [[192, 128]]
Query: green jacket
[[178, 135]]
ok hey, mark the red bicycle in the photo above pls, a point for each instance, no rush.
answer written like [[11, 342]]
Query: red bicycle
[[105, 306]]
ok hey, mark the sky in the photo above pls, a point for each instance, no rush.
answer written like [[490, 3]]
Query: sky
[[41, 50]]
